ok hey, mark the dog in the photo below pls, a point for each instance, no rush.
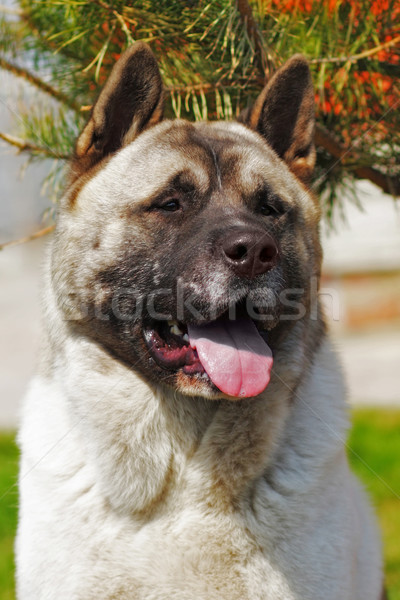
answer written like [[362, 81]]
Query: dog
[[184, 438]]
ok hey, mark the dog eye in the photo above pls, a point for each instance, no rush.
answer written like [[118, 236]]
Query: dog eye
[[268, 203], [271, 207], [268, 210], [171, 206]]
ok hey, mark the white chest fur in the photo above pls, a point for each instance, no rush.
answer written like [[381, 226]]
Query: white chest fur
[[126, 501]]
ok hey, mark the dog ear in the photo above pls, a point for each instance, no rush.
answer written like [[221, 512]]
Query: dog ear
[[130, 101], [284, 115]]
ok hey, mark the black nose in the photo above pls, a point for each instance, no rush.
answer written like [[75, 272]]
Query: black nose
[[249, 251]]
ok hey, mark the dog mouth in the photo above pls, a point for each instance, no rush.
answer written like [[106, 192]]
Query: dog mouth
[[232, 354], [169, 344]]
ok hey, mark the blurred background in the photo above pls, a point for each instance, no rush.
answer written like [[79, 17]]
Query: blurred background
[[362, 263]]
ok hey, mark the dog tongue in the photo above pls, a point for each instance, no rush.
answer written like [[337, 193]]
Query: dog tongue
[[234, 356]]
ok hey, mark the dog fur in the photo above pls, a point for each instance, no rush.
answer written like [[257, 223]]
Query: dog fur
[[139, 482]]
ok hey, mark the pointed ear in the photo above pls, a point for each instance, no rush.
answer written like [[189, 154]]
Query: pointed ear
[[130, 101], [284, 115]]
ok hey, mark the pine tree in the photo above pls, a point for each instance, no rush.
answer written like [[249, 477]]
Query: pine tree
[[215, 56]]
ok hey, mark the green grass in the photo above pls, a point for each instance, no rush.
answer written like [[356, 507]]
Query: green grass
[[8, 513], [374, 453]]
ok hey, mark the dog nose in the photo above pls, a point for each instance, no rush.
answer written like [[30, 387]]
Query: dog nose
[[249, 252]]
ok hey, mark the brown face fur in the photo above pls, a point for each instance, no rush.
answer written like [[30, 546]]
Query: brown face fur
[[142, 226]]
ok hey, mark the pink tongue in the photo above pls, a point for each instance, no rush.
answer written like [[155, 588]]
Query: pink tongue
[[234, 356]]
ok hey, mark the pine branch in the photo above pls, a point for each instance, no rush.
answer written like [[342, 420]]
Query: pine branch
[[104, 5], [357, 57], [210, 52], [24, 146], [26, 18], [389, 184], [121, 17], [39, 83], [238, 84], [28, 238], [262, 60]]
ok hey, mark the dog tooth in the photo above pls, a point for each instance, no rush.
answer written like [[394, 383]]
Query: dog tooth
[[186, 337], [175, 329]]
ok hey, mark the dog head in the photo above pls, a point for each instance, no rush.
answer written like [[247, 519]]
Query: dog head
[[187, 249]]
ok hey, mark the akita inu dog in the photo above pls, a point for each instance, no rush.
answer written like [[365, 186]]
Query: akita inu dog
[[184, 437]]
